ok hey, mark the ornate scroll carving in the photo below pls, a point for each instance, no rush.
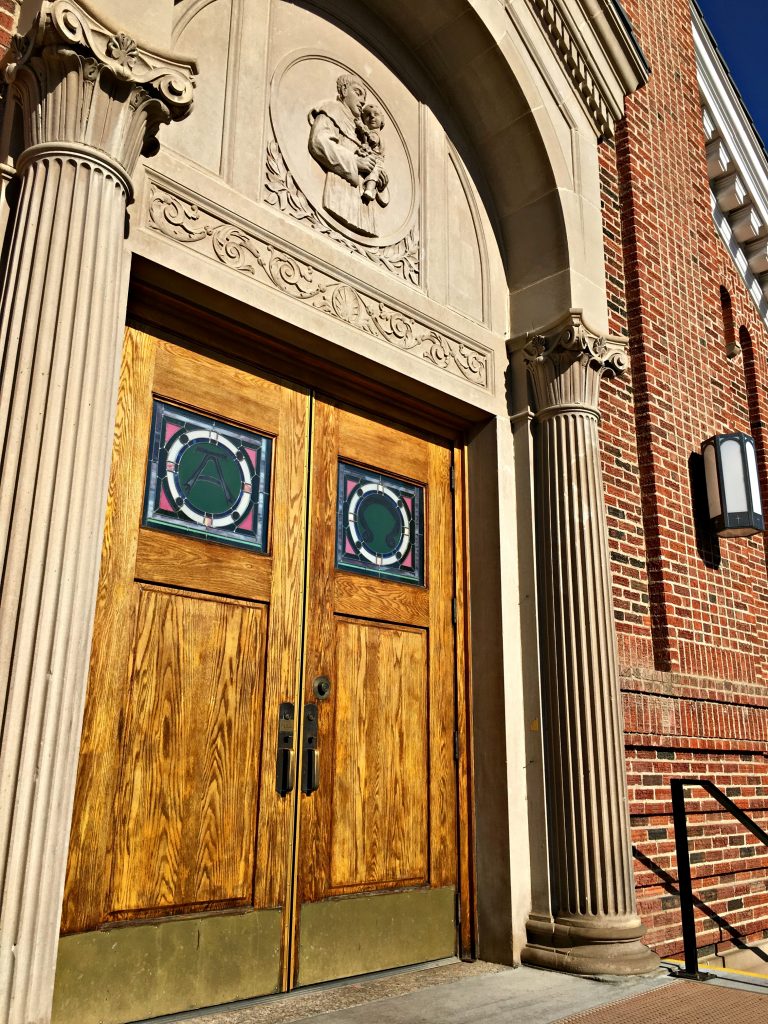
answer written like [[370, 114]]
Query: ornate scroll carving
[[400, 259], [241, 249], [66, 22], [568, 362]]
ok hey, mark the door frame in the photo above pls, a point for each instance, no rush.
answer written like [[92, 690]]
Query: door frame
[[177, 320]]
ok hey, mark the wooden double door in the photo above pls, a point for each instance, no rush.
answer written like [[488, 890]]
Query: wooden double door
[[267, 791]]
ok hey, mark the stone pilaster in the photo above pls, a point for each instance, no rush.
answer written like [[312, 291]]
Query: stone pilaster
[[593, 927], [92, 102]]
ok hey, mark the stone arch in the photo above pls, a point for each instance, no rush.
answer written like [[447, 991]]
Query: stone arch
[[527, 144], [513, 139]]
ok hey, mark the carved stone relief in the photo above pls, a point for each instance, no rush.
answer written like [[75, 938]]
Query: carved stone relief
[[345, 140], [401, 259], [338, 161], [251, 251]]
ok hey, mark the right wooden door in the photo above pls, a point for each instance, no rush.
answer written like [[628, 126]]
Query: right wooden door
[[377, 851]]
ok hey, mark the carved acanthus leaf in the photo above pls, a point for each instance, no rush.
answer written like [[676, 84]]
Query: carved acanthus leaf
[[571, 340], [282, 191], [567, 362], [67, 23], [80, 82], [242, 250]]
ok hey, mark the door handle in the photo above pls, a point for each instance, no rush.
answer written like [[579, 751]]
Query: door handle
[[285, 773], [310, 757]]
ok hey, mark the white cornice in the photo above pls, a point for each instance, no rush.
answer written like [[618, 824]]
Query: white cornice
[[740, 196]]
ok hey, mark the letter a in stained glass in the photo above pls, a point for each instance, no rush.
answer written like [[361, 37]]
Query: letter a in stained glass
[[207, 478]]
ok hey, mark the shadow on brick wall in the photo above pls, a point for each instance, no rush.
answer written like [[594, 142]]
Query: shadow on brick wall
[[707, 543], [670, 884]]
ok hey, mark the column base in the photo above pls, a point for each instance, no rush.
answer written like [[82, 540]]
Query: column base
[[613, 948]]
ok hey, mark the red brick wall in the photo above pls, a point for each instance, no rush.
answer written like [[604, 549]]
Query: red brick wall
[[692, 614], [8, 18], [8, 12]]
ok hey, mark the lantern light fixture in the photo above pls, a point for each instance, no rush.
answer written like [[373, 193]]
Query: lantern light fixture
[[733, 489]]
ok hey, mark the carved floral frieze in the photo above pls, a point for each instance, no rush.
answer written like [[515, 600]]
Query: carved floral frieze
[[240, 248]]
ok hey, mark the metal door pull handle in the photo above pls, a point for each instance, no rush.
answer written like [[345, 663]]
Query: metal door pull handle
[[310, 759], [285, 772], [310, 775]]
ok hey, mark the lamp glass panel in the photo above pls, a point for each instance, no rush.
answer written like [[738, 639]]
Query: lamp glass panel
[[734, 484], [713, 488], [753, 478]]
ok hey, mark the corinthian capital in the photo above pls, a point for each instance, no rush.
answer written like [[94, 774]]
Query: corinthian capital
[[567, 363], [82, 82]]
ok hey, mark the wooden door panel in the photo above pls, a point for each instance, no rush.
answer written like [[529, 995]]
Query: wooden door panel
[[187, 562], [379, 816], [185, 816], [198, 643], [383, 817], [229, 391], [87, 884], [384, 601], [252, 649], [373, 443], [442, 661]]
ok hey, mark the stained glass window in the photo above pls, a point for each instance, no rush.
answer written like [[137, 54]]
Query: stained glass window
[[380, 525], [207, 478]]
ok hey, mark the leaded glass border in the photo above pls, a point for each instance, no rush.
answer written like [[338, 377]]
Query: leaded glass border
[[379, 525], [207, 478]]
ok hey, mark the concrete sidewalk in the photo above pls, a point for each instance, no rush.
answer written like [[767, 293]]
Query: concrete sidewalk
[[450, 993]]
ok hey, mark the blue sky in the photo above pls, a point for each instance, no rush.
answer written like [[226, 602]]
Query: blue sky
[[740, 28]]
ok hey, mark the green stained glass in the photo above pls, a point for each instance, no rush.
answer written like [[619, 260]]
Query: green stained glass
[[208, 478], [379, 525]]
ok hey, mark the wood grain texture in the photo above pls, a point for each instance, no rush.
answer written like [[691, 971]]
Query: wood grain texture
[[178, 317], [86, 889], [185, 815], [379, 813], [320, 655], [179, 561], [442, 669], [217, 388], [130, 555], [383, 600], [176, 808], [378, 445], [274, 853], [351, 838]]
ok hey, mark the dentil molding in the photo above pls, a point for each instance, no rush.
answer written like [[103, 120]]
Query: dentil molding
[[598, 50], [247, 249]]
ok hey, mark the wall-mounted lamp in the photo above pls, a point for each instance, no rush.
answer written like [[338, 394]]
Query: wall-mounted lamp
[[733, 490]]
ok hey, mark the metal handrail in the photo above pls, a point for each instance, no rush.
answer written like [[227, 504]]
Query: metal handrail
[[684, 862]]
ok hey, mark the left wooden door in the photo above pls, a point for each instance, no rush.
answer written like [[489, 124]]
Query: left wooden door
[[196, 647]]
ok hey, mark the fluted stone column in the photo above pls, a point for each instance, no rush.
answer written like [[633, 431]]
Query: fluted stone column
[[92, 102], [593, 927]]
